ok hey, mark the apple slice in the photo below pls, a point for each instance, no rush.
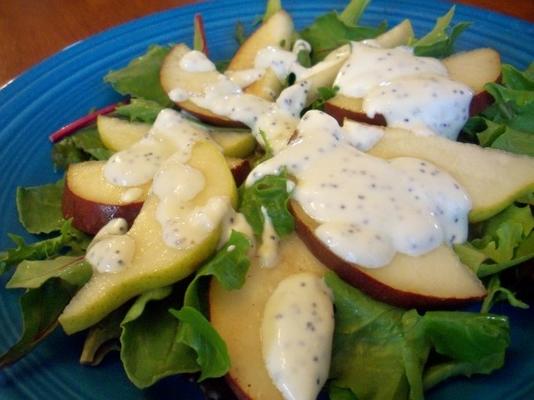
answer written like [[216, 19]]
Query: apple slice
[[474, 68], [91, 201], [492, 178], [277, 30], [433, 280], [119, 134], [154, 263], [237, 316], [173, 76]]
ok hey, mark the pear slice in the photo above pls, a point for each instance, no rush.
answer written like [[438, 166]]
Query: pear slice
[[433, 280], [492, 178], [399, 35], [119, 134], [154, 263], [91, 201], [237, 316], [474, 68]]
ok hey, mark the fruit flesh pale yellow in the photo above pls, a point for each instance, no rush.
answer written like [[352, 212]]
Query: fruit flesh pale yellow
[[154, 264]]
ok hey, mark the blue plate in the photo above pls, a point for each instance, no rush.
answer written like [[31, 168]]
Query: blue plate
[[69, 84]]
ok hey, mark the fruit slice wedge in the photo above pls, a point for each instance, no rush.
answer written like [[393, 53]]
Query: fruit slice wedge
[[474, 68], [492, 178], [91, 201], [154, 263], [436, 279], [237, 316], [119, 134], [276, 31]]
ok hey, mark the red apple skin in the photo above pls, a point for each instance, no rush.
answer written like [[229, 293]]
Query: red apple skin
[[209, 117], [240, 171], [89, 216], [341, 113], [359, 279]]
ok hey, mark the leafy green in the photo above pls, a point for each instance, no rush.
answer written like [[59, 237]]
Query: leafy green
[[271, 193], [102, 338], [156, 343], [140, 110], [229, 266], [497, 293], [509, 123], [70, 241], [82, 146], [240, 33], [382, 352], [39, 207], [197, 333], [32, 274], [41, 308], [503, 241], [324, 94], [272, 7], [149, 348], [140, 78], [332, 30], [439, 42]]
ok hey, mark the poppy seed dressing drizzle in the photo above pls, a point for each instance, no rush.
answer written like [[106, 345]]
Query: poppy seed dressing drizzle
[[368, 208]]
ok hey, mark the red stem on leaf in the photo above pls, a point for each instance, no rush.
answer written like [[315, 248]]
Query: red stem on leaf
[[69, 129], [199, 30]]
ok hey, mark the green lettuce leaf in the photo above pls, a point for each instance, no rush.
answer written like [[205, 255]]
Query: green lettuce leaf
[[197, 333], [41, 306], [39, 207], [325, 94], [140, 110], [332, 30], [382, 352], [439, 42], [140, 78], [70, 242], [229, 266], [149, 348], [32, 274], [181, 341], [508, 124], [501, 242], [240, 35], [497, 293], [82, 146], [103, 338], [270, 192]]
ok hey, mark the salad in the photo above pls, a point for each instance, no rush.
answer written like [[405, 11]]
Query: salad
[[244, 260]]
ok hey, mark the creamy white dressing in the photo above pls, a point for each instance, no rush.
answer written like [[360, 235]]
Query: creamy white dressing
[[276, 121], [235, 221], [423, 104], [195, 61], [245, 77], [184, 227], [297, 330], [368, 208], [409, 91], [268, 249], [360, 135], [111, 250], [170, 134]]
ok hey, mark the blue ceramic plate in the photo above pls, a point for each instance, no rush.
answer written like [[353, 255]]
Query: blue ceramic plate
[[69, 84]]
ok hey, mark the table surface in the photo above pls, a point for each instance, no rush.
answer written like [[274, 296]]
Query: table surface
[[31, 30]]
